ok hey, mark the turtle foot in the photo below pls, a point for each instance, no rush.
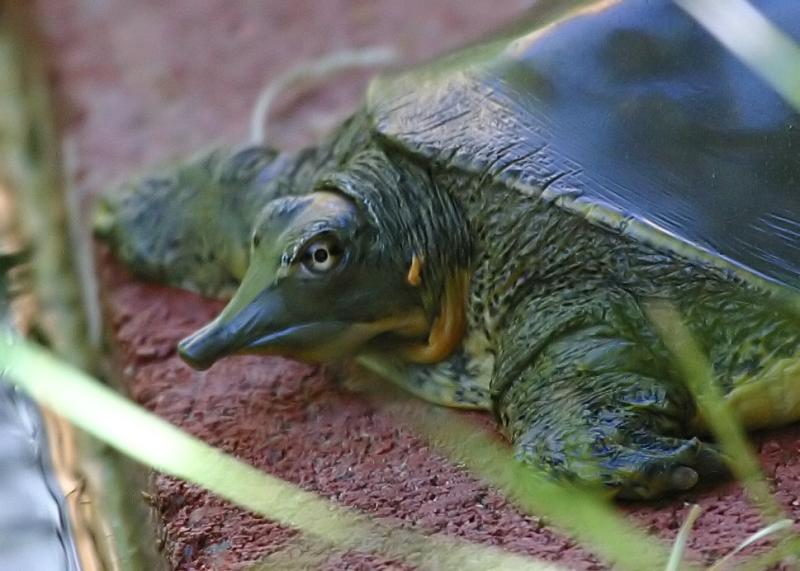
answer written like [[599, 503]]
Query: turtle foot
[[663, 465], [641, 466]]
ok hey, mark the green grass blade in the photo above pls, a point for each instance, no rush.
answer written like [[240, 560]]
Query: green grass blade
[[755, 40], [713, 407], [153, 441], [786, 552], [682, 539], [586, 516], [778, 526]]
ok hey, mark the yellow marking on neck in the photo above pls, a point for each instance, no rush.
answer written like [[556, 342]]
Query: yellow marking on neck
[[448, 328], [410, 324], [414, 277]]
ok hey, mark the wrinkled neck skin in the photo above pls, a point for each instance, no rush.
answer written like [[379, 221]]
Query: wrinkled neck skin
[[417, 230], [521, 259]]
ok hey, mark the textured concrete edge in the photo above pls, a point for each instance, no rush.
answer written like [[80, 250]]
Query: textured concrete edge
[[81, 478], [130, 529], [89, 88], [137, 531]]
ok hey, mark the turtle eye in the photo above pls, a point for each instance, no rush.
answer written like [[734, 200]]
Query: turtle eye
[[321, 256]]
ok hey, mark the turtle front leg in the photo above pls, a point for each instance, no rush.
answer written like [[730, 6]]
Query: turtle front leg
[[596, 405], [190, 225], [459, 381]]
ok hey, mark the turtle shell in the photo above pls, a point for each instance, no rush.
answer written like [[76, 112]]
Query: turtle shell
[[627, 113]]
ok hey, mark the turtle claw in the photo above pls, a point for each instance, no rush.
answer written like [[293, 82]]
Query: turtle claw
[[665, 465], [635, 465], [684, 478]]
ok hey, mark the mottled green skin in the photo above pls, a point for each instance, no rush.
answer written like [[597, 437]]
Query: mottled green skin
[[581, 375], [558, 345], [576, 168], [191, 224]]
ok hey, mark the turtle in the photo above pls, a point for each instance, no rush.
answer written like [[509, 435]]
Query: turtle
[[488, 228]]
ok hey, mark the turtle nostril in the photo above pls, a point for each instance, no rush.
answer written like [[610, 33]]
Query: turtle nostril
[[201, 349], [191, 358]]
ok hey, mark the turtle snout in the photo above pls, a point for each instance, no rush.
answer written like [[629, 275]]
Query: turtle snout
[[204, 347]]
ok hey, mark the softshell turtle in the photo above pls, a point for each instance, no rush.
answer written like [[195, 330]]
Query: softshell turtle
[[487, 229]]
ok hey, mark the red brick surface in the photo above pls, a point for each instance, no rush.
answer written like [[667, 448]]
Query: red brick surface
[[145, 81]]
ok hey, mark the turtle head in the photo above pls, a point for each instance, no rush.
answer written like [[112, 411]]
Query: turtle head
[[327, 279]]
